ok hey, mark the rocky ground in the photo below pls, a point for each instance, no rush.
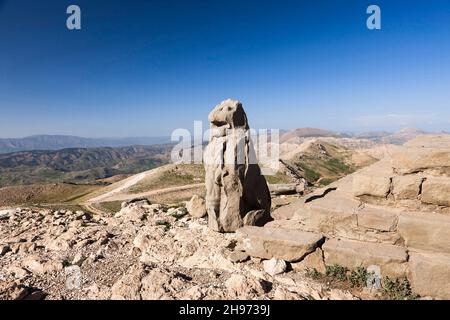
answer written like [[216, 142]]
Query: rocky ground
[[145, 251]]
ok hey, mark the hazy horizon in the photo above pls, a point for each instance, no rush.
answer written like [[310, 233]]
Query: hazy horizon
[[143, 69], [343, 132]]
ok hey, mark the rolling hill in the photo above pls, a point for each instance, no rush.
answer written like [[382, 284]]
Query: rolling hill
[[78, 165]]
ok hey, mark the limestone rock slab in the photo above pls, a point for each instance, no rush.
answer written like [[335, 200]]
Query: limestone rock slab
[[288, 245]]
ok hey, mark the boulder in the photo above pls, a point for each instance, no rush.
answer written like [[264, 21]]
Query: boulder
[[353, 254], [6, 213], [425, 231], [133, 210], [436, 190], [430, 274], [238, 256], [196, 207], [137, 201], [233, 179], [274, 266], [288, 245], [406, 187]]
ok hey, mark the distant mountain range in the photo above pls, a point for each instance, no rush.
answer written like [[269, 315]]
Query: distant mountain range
[[399, 137], [80, 160], [57, 142], [79, 165]]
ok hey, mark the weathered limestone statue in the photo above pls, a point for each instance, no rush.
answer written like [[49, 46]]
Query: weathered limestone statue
[[236, 192]]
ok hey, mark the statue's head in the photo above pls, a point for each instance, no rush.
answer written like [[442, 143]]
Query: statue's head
[[228, 115]]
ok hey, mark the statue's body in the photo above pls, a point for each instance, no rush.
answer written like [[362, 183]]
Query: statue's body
[[236, 192]]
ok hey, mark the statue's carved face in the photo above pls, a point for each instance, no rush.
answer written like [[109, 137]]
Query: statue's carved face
[[229, 114]]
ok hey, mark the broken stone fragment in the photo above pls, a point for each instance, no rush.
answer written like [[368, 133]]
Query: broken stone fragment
[[238, 256], [41, 266], [313, 261], [196, 207], [274, 266]]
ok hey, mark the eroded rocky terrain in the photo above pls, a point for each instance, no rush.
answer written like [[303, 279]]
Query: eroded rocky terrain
[[145, 251]]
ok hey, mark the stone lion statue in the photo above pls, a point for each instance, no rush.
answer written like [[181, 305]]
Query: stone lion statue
[[236, 192]]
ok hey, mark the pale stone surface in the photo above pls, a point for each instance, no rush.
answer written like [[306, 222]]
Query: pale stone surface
[[129, 285], [233, 180], [78, 259], [311, 261], [377, 218], [6, 213], [18, 272], [406, 187], [40, 266], [436, 190], [196, 207], [371, 185], [430, 274], [353, 254], [238, 256], [286, 188], [242, 287], [413, 159], [336, 215], [268, 243], [426, 231], [274, 266]]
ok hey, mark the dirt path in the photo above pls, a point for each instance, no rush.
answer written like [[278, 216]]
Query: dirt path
[[94, 210], [124, 197], [128, 183], [119, 192]]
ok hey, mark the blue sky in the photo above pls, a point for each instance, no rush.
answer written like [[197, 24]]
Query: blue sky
[[144, 68]]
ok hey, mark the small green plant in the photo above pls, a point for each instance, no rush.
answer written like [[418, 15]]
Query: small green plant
[[310, 175], [337, 272], [313, 273], [326, 181], [358, 277], [398, 289], [163, 223]]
